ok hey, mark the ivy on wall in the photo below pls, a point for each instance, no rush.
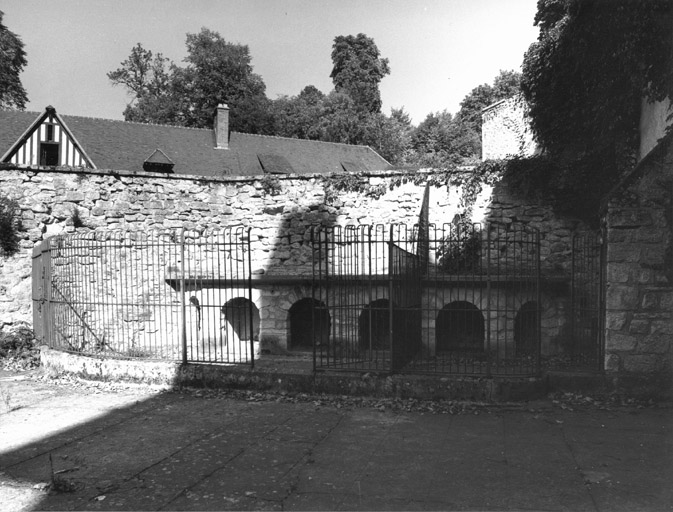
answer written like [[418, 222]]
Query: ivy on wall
[[471, 181]]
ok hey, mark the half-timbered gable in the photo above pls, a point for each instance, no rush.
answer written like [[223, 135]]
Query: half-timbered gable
[[47, 142]]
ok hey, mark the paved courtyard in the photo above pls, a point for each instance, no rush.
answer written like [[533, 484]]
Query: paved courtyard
[[67, 445]]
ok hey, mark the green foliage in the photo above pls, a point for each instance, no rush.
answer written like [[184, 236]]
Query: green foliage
[[17, 348], [335, 185], [583, 81], [471, 180], [12, 62], [358, 70], [76, 218], [216, 72], [442, 140], [271, 185], [461, 254], [10, 225]]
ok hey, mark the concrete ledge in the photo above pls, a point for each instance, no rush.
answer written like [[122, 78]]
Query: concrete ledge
[[643, 387], [292, 375]]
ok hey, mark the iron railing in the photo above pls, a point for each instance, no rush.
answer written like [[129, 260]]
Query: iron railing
[[176, 295], [449, 299], [586, 347]]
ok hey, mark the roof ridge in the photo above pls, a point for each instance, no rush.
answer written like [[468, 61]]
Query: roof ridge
[[136, 122], [305, 140]]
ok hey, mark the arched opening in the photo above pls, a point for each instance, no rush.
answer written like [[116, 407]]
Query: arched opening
[[239, 312], [374, 326], [300, 330], [526, 329], [459, 327]]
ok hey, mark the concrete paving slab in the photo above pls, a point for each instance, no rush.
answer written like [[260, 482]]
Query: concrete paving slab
[[141, 449]]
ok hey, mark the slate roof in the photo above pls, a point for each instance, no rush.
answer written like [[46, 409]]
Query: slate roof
[[121, 145]]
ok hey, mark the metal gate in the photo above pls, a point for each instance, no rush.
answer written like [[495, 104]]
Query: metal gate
[[459, 298], [586, 346], [180, 295]]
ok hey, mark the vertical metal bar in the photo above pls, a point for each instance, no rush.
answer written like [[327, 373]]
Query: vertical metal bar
[[47, 312], [488, 300], [600, 341], [246, 244], [313, 298], [370, 298], [573, 297], [183, 297], [538, 300], [391, 264]]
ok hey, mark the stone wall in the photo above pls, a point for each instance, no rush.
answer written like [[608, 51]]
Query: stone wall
[[639, 293], [57, 201]]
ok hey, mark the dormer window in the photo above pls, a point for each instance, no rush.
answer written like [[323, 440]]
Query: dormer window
[[158, 162]]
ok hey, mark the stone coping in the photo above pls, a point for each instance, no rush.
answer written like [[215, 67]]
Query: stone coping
[[291, 374]]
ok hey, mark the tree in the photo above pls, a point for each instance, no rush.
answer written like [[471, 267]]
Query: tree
[[216, 72], [150, 78], [505, 85], [12, 62], [583, 81], [300, 116], [358, 70]]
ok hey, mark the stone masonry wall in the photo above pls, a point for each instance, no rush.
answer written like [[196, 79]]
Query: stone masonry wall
[[105, 200], [639, 294]]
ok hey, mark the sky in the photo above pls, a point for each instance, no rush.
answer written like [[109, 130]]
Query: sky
[[438, 50]]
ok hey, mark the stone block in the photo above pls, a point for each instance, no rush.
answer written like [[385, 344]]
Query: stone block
[[664, 326], [653, 254], [639, 326], [643, 276], [626, 252], [629, 217], [615, 320], [650, 234], [658, 300], [621, 297], [612, 363], [619, 272], [655, 344], [74, 196], [619, 341], [621, 235], [641, 363]]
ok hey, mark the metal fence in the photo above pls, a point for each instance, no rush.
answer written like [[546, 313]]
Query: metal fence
[[174, 295], [586, 349], [446, 299]]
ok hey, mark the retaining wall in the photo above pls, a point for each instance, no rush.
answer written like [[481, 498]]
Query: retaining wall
[[52, 201]]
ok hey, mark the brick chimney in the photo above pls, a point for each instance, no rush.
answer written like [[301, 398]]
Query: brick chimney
[[222, 127]]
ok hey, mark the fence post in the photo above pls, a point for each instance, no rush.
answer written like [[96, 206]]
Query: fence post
[[391, 271], [47, 313], [183, 298], [538, 300], [246, 239], [489, 355]]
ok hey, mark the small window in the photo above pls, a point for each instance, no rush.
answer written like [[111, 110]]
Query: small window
[[49, 154], [50, 132]]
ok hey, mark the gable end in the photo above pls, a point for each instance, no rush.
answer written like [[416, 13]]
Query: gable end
[[48, 142]]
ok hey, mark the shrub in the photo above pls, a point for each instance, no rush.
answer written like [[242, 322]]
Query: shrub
[[18, 348], [10, 225]]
